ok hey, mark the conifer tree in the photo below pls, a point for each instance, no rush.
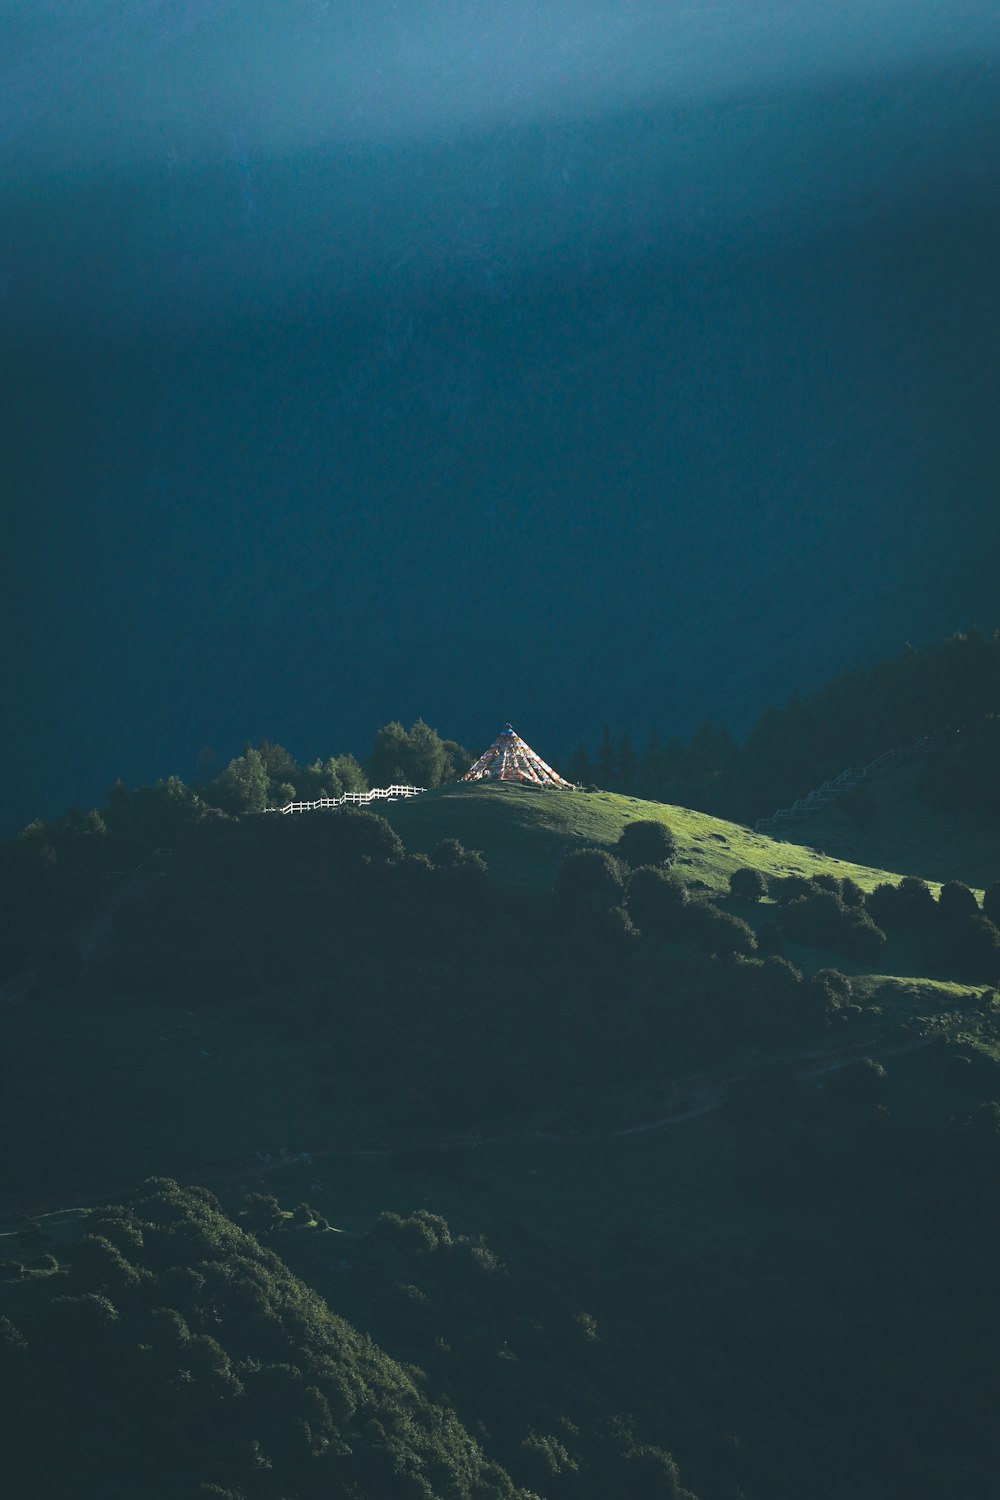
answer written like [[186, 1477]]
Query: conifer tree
[[607, 760], [628, 764], [580, 768]]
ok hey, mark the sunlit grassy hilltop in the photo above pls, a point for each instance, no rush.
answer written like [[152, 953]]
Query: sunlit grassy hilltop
[[524, 832]]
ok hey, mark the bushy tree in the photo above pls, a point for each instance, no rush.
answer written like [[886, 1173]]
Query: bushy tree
[[414, 757], [608, 928], [319, 780], [968, 947], [918, 900], [100, 1266], [790, 888], [657, 902], [412, 1233], [908, 905], [580, 769], [956, 900], [458, 760], [349, 772], [747, 884], [261, 1211], [363, 835], [428, 763], [646, 842], [882, 905], [837, 985], [820, 919], [244, 786], [719, 932], [451, 854]]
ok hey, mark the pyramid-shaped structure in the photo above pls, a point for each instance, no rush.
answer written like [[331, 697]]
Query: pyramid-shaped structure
[[510, 758]]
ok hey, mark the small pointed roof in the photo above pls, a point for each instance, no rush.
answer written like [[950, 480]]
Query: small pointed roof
[[510, 758]]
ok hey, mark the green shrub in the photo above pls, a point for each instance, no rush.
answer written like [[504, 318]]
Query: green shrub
[[719, 932], [821, 920], [100, 1266], [968, 947], [450, 854], [837, 985], [908, 905], [610, 925], [747, 884], [790, 888], [657, 902], [363, 835], [777, 978], [81, 1320], [646, 842], [413, 1233], [918, 899], [956, 900], [261, 1212]]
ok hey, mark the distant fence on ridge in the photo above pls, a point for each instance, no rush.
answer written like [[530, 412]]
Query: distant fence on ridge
[[356, 799], [823, 796]]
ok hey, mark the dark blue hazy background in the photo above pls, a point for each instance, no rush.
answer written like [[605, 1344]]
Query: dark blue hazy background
[[565, 361]]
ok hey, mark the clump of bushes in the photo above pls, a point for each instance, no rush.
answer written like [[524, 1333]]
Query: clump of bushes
[[956, 901], [908, 905], [657, 902], [969, 947], [820, 918], [646, 842], [261, 1212], [719, 932], [747, 884], [417, 1231]]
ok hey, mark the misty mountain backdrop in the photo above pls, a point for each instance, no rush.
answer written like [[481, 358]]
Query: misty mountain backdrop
[[559, 364]]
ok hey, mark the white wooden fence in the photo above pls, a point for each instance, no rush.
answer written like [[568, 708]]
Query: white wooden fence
[[356, 799], [822, 797]]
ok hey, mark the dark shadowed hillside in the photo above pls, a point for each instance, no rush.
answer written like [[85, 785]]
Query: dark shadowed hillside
[[660, 1164]]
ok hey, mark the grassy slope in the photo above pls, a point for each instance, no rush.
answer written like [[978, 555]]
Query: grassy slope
[[525, 831], [151, 1088], [906, 835]]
